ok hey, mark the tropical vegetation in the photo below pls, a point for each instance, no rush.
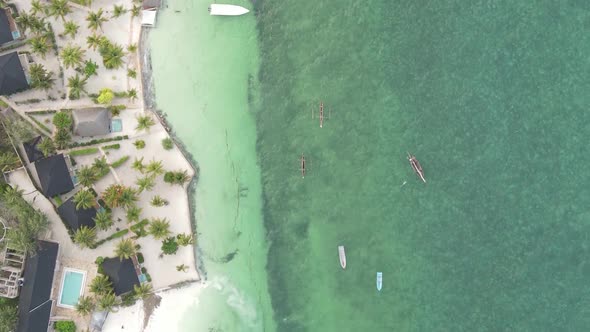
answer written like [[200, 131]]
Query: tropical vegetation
[[169, 246], [64, 326], [72, 56], [177, 177], [77, 86], [59, 8], [40, 77], [87, 176], [108, 302], [158, 201], [103, 220], [117, 195], [101, 285], [125, 249], [84, 199], [85, 237], [105, 96], [133, 214], [142, 290], [145, 183], [27, 223], [167, 143], [46, 146], [144, 122], [95, 20], [85, 305], [71, 29], [159, 228]]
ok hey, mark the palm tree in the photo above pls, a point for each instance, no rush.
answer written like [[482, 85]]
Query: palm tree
[[159, 228], [112, 55], [40, 46], [37, 7], [128, 197], [71, 28], [107, 302], [158, 201], [138, 165], [87, 176], [182, 268], [146, 183], [77, 86], [95, 41], [144, 122], [112, 195], [101, 285], [95, 20], [12, 195], [135, 10], [103, 220], [101, 166], [132, 48], [133, 214], [46, 146], [132, 94], [84, 199], [62, 138], [63, 120], [118, 11], [125, 249], [38, 25], [25, 21], [85, 237], [142, 290], [85, 305], [59, 8], [8, 160], [72, 56], [154, 167], [40, 77]]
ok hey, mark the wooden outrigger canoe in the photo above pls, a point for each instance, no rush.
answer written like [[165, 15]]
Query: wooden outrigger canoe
[[416, 167]]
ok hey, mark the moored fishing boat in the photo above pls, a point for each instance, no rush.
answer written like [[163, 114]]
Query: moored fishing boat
[[302, 161], [379, 280], [416, 167], [342, 256], [226, 10]]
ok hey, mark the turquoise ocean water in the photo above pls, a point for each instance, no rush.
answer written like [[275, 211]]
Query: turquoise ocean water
[[491, 96]]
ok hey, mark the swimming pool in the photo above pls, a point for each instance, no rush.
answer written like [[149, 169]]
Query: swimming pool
[[72, 286], [116, 125]]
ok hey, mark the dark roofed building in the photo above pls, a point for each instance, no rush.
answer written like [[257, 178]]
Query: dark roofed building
[[54, 175], [12, 75], [5, 31], [122, 274], [33, 154], [34, 303], [76, 218], [92, 121]]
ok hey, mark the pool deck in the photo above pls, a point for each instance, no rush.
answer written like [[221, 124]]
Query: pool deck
[[65, 264]]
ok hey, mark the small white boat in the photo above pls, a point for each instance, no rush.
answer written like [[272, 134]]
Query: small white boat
[[379, 280], [227, 10], [342, 256]]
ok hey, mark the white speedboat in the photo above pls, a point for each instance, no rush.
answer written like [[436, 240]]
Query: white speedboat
[[342, 256], [379, 280], [227, 10]]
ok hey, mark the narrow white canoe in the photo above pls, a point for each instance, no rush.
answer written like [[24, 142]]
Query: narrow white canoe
[[227, 10], [379, 280], [342, 256]]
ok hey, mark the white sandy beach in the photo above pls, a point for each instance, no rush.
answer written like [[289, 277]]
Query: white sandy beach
[[165, 317]]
